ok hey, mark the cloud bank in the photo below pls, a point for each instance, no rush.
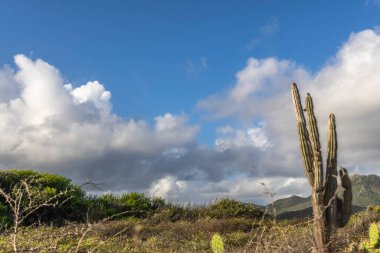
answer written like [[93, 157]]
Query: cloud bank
[[53, 126], [348, 85], [49, 125]]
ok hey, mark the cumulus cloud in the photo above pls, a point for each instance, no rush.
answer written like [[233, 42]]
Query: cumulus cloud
[[348, 85], [58, 127], [232, 138], [168, 187], [50, 125], [260, 79], [47, 124], [247, 189]]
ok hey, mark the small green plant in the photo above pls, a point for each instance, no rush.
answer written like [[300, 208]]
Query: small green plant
[[217, 244], [373, 245]]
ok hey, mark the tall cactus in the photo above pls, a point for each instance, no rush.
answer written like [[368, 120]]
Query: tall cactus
[[329, 211]]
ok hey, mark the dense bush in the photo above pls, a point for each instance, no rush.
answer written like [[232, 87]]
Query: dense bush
[[221, 209], [74, 205], [124, 205], [229, 208], [43, 186]]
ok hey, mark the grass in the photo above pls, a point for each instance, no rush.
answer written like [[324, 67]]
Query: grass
[[162, 235]]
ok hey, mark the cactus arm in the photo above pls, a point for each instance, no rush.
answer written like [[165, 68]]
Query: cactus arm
[[345, 211], [331, 164], [330, 200], [316, 146], [333, 145], [306, 153], [303, 133], [297, 104]]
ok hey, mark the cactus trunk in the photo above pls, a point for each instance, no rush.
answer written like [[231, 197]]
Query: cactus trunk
[[329, 211]]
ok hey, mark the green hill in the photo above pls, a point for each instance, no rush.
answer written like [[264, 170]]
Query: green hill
[[365, 188], [293, 203]]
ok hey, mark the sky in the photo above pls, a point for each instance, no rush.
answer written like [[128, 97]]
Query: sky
[[186, 100]]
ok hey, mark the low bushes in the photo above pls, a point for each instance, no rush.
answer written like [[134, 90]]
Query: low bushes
[[229, 208], [75, 205]]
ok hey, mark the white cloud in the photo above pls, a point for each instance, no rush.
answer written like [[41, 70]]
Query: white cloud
[[258, 80], [168, 188], [48, 124], [348, 85], [247, 189], [56, 127], [232, 138], [93, 92], [42, 92], [71, 130]]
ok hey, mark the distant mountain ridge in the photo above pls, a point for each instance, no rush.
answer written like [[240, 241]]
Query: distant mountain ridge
[[365, 189]]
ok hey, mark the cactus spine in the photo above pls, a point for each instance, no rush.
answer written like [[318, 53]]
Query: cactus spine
[[329, 211]]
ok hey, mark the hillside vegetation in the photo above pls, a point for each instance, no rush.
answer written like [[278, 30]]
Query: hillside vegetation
[[68, 220]]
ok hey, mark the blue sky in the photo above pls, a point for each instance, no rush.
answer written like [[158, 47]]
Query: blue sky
[[140, 49], [158, 57]]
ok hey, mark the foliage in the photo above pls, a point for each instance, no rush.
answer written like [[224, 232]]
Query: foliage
[[239, 235], [75, 205], [221, 209], [43, 186], [124, 205], [229, 208]]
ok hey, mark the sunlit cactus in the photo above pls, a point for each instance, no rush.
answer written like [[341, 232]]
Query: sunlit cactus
[[373, 245], [373, 235], [217, 244], [329, 211]]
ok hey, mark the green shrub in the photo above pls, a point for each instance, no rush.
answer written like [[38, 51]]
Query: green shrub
[[44, 186], [229, 208], [136, 202], [130, 204]]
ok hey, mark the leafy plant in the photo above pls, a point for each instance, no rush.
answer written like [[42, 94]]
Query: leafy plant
[[45, 185]]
